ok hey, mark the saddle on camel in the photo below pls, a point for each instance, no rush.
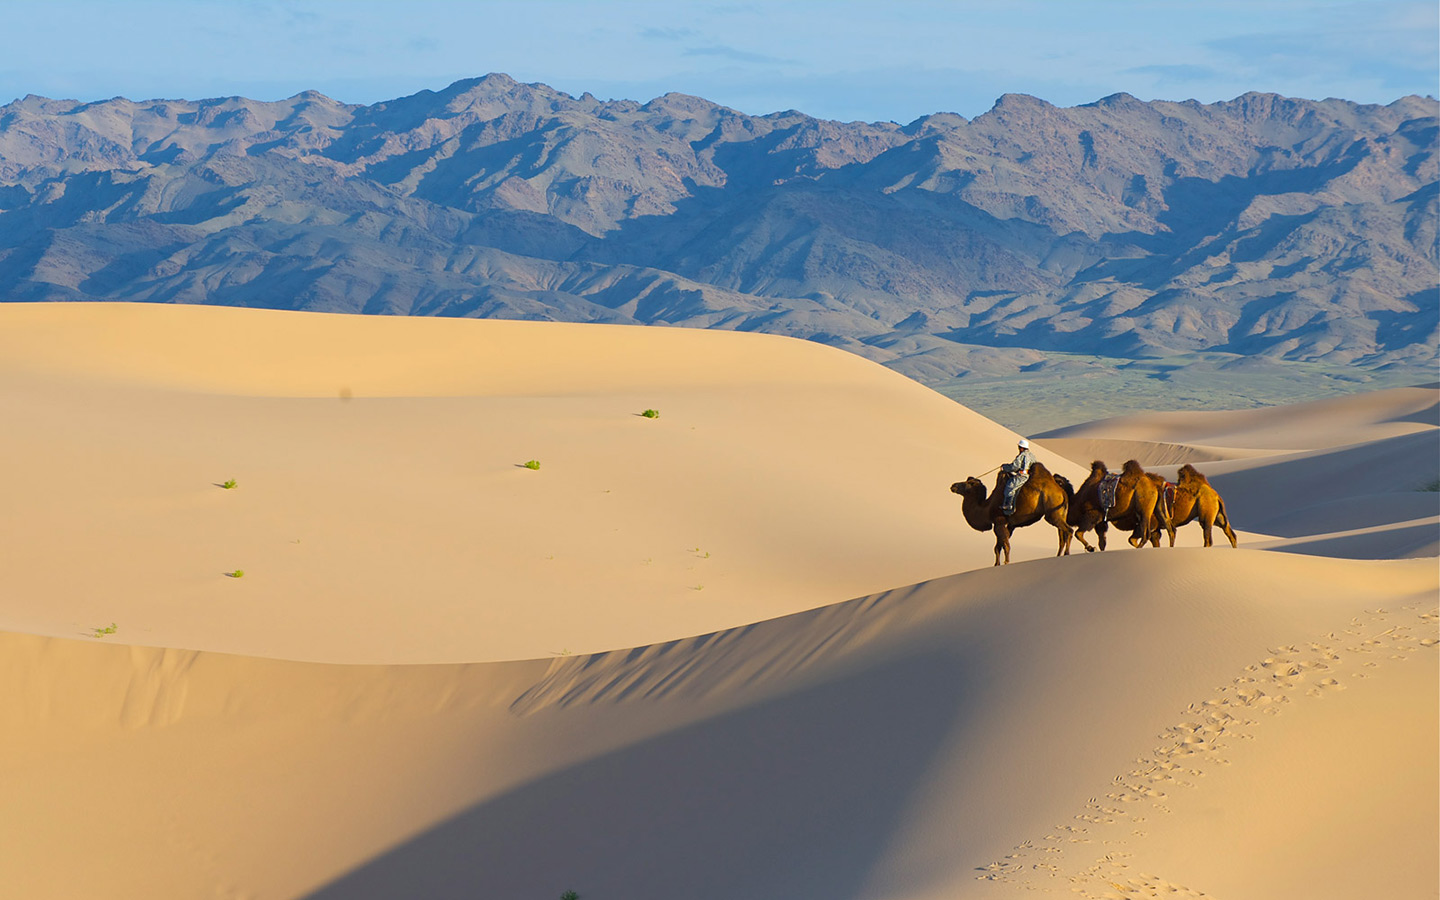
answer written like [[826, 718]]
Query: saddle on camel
[[1133, 499], [1043, 496], [1192, 498]]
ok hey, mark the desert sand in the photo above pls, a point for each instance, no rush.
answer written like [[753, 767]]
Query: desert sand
[[746, 649]]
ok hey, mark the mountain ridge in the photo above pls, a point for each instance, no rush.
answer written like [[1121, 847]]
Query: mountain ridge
[[1286, 228]]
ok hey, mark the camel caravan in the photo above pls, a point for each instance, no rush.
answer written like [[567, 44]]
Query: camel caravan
[[1132, 500]]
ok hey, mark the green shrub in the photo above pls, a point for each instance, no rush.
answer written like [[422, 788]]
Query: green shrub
[[651, 414], [569, 895], [238, 573], [108, 629], [532, 464], [228, 484]]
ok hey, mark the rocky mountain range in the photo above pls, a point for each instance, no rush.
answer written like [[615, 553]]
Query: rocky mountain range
[[1262, 226]]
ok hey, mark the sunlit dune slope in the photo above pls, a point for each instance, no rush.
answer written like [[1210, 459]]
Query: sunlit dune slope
[[1316, 425], [382, 511], [1243, 724], [1352, 476], [398, 697]]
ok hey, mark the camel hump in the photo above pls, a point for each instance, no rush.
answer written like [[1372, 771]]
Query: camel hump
[[1065, 486], [1133, 467], [1189, 473], [1038, 468]]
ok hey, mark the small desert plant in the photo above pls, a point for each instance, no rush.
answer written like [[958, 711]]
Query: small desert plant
[[1432, 486], [238, 573], [569, 895], [532, 464], [108, 629], [651, 414], [228, 484]]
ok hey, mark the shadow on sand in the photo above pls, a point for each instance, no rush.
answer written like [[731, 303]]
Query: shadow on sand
[[797, 796]]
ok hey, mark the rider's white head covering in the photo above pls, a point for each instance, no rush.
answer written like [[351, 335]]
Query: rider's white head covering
[[1024, 444]]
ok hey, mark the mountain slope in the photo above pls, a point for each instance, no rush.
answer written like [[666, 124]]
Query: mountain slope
[[1288, 228]]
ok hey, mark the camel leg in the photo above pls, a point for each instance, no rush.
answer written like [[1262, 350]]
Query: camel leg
[[1002, 542], [1087, 522], [1147, 526], [1100, 531], [1205, 523], [1141, 533], [1155, 535], [1056, 517], [1163, 524], [1224, 522]]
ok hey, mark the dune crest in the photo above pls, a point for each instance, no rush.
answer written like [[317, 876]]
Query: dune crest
[[780, 475], [972, 733], [746, 646]]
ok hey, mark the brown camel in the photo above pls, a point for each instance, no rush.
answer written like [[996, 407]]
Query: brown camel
[[1140, 506], [1043, 496], [1196, 499]]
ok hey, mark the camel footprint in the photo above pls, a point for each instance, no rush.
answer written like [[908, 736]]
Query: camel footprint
[[1186, 749]]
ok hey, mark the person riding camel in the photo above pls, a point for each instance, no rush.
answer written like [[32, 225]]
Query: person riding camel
[[1018, 471]]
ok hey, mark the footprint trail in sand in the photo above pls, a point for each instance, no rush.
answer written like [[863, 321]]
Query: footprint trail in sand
[[1092, 856]]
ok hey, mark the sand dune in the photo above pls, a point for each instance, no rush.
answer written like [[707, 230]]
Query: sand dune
[[1337, 491], [1412, 539], [399, 698], [1334, 422], [1148, 453], [1255, 727], [1353, 476], [400, 526]]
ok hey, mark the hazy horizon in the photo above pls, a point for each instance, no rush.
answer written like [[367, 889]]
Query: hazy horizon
[[843, 60]]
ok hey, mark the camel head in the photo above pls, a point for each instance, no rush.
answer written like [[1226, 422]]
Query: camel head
[[971, 488]]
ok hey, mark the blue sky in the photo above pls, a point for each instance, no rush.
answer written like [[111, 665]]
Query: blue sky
[[895, 60]]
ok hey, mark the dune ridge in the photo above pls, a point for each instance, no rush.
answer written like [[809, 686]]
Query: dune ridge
[[1346, 476], [759, 490], [445, 675], [979, 672], [1314, 425]]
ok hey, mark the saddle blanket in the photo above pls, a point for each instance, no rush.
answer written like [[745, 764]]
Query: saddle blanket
[[1108, 486]]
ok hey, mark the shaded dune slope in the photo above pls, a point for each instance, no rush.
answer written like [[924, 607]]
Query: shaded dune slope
[[980, 735], [1318, 424], [399, 697], [1350, 476]]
